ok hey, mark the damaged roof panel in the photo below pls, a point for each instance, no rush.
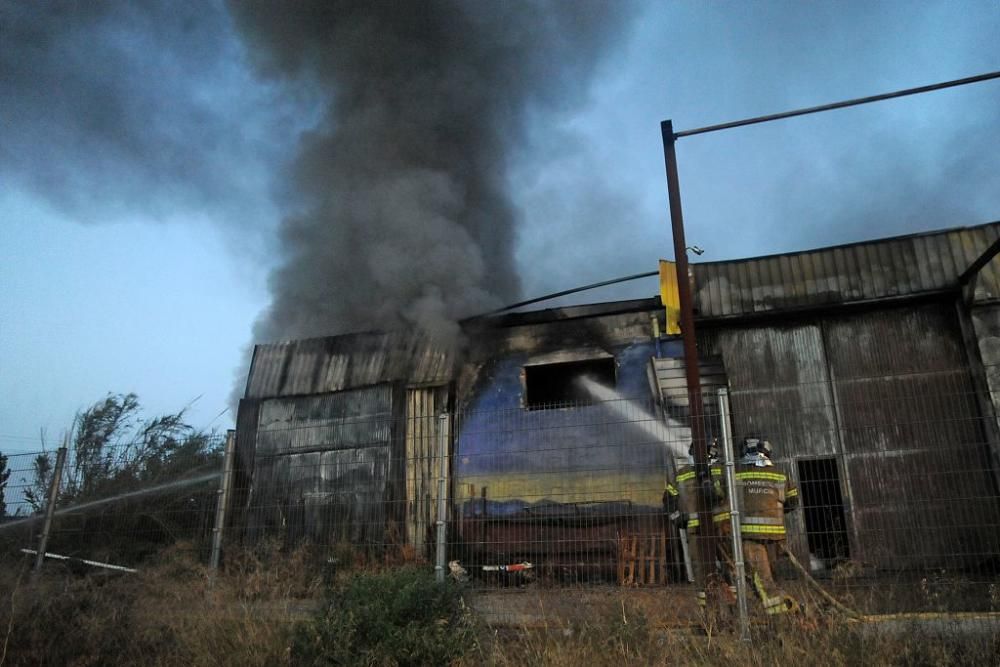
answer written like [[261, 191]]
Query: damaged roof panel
[[320, 365]]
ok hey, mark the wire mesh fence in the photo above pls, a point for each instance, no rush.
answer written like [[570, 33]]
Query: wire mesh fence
[[114, 506], [26, 480], [880, 495]]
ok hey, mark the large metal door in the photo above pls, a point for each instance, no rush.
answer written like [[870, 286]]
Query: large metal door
[[914, 444]]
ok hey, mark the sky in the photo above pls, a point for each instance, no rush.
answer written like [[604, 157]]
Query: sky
[[151, 161]]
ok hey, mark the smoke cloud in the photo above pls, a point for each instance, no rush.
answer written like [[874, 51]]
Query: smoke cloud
[[115, 111], [406, 219]]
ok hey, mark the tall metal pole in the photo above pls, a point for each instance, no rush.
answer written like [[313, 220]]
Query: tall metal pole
[[695, 405], [222, 499], [734, 515], [442, 507], [50, 509]]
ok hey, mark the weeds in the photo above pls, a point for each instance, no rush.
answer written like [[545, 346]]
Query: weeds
[[398, 617], [171, 613], [275, 607]]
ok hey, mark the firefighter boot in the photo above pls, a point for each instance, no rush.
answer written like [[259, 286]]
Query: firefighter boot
[[774, 604]]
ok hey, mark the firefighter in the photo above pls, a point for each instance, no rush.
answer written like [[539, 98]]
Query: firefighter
[[767, 495], [680, 502]]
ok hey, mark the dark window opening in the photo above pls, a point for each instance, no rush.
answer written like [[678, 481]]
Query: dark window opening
[[823, 510], [559, 385]]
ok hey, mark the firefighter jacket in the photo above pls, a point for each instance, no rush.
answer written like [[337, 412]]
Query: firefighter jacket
[[681, 494], [766, 496]]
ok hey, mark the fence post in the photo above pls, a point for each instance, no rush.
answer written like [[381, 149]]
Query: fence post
[[734, 514], [442, 508], [50, 509], [222, 499]]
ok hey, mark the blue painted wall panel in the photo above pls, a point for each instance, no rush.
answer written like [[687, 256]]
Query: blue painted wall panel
[[602, 453]]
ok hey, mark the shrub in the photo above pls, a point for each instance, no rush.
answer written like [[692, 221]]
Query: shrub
[[399, 617]]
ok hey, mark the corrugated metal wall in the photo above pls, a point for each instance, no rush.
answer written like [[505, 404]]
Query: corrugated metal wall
[[322, 467], [889, 393], [779, 388], [986, 321], [423, 433], [913, 440]]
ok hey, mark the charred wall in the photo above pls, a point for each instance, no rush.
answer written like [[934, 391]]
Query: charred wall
[[512, 456], [325, 467]]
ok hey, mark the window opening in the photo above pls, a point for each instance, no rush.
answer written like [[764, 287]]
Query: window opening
[[823, 509], [558, 385]]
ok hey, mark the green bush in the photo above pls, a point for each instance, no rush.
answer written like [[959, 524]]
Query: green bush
[[400, 617]]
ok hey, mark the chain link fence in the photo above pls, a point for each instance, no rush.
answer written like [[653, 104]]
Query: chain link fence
[[895, 479], [114, 507]]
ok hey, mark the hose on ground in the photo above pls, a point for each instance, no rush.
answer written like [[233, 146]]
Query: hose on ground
[[837, 604]]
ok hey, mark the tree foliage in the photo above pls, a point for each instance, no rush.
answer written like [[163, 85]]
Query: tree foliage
[[129, 465], [4, 477], [115, 450], [36, 495]]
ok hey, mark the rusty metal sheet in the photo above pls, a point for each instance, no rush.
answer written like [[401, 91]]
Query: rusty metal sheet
[[920, 470], [779, 387]]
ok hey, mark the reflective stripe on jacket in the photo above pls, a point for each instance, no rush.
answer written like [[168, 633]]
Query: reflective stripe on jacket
[[684, 488], [766, 495]]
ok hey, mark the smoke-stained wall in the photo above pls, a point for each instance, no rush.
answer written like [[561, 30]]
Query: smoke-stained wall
[[594, 453]]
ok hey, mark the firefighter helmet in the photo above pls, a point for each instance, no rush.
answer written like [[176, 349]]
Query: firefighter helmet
[[756, 445], [712, 451]]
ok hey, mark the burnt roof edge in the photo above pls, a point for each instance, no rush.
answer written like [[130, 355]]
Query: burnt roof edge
[[562, 314]]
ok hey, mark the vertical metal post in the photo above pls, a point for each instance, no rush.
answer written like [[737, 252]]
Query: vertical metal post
[[50, 509], [442, 508], [222, 499], [693, 374], [734, 515]]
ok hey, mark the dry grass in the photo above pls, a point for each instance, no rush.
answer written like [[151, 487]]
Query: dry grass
[[614, 640], [172, 613]]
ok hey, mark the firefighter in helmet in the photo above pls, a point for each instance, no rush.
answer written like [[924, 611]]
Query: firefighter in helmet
[[767, 495], [680, 502]]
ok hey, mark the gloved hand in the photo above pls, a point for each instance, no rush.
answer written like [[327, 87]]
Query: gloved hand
[[680, 519], [709, 492]]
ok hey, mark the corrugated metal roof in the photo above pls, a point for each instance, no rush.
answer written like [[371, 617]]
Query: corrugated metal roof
[[894, 267], [319, 365], [885, 268]]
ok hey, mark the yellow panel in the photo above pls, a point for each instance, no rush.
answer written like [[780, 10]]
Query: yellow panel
[[643, 488], [670, 297]]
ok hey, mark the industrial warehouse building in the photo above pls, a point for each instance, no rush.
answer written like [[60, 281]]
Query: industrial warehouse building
[[874, 368]]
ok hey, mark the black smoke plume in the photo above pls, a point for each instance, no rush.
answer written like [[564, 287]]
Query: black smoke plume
[[406, 219]]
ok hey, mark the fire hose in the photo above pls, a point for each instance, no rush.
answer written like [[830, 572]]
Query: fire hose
[[839, 606], [834, 602]]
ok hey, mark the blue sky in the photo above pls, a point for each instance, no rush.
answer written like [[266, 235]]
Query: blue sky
[[141, 262]]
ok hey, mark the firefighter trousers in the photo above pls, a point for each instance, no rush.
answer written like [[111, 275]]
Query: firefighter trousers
[[758, 561], [696, 548]]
